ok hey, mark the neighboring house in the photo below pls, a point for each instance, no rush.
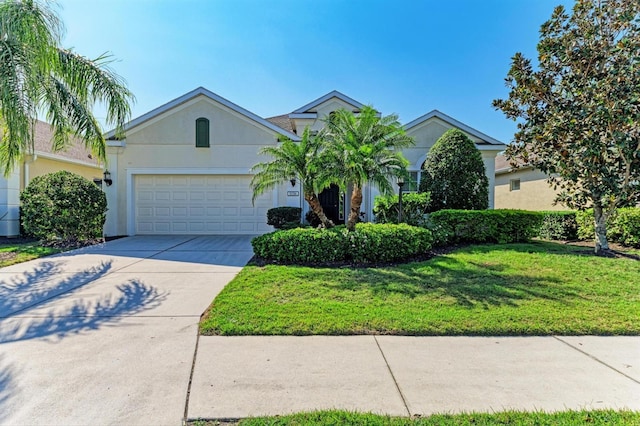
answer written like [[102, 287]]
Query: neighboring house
[[41, 161], [523, 188], [184, 168]]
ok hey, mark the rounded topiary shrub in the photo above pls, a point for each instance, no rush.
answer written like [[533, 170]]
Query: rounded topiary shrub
[[454, 174], [369, 243], [63, 206]]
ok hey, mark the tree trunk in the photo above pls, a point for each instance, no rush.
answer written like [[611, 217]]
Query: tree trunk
[[316, 207], [356, 202], [600, 219]]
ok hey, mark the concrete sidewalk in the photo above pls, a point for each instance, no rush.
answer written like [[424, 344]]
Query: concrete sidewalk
[[236, 377]]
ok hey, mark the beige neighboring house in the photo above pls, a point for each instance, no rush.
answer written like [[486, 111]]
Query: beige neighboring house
[[523, 188], [185, 167], [75, 159]]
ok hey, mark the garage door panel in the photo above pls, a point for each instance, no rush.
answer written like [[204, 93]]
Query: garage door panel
[[199, 204]]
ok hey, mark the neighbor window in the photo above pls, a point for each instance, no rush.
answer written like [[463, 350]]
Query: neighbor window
[[514, 184], [412, 183], [202, 133]]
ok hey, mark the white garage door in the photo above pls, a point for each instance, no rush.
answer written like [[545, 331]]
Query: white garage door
[[199, 204]]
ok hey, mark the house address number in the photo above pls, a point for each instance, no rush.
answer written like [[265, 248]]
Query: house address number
[[293, 193]]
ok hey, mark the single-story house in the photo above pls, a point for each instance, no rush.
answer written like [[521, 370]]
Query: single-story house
[[523, 188], [42, 160], [184, 167]]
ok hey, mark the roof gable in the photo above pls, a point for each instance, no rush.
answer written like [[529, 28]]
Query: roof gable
[[201, 91], [334, 94], [453, 122]]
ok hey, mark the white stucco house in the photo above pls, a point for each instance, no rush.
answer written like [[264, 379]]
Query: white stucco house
[[184, 167]]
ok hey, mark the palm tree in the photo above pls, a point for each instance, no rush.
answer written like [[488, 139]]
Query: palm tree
[[303, 160], [363, 148], [39, 76]]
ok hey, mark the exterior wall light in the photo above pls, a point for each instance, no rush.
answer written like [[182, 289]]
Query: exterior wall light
[[107, 178]]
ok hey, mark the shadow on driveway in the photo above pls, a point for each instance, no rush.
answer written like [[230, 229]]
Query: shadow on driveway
[[133, 297]]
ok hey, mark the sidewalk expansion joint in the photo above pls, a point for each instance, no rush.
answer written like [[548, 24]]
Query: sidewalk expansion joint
[[395, 382], [185, 417], [597, 360]]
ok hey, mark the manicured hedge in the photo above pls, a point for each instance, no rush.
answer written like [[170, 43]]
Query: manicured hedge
[[623, 226], [558, 225], [63, 206], [414, 208], [284, 217], [484, 226], [369, 243]]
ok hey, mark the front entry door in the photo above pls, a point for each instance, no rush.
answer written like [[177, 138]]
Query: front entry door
[[332, 202]]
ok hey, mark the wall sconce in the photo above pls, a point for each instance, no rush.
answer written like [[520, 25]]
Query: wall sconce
[[293, 182], [107, 178]]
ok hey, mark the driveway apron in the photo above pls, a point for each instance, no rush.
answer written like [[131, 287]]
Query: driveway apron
[[106, 334]]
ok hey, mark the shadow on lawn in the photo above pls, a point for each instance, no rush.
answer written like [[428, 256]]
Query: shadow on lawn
[[470, 283]]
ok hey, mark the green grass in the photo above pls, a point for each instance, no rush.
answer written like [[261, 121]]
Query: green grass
[[11, 254], [539, 288], [565, 418]]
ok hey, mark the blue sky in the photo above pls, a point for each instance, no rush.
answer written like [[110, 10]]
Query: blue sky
[[271, 57]]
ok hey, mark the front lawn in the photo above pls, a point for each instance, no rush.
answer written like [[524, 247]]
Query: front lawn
[[538, 288], [602, 417], [20, 251]]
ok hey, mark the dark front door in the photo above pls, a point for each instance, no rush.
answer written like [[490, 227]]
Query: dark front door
[[332, 202]]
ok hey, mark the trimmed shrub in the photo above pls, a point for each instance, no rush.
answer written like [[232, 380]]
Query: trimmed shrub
[[284, 217], [454, 174], [63, 206], [414, 208], [484, 226], [558, 225], [369, 243], [623, 226]]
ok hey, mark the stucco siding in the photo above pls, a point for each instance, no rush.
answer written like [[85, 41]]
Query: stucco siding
[[42, 166], [177, 127], [534, 193]]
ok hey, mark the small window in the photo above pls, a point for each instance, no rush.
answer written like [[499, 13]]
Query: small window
[[202, 133], [411, 185], [514, 184]]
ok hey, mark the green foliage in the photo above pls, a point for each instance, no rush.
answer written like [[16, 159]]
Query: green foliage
[[623, 225], [284, 217], [39, 76], [579, 109], [533, 289], [414, 208], [364, 148], [368, 243], [63, 206], [304, 160], [484, 226], [454, 174], [558, 225], [520, 418]]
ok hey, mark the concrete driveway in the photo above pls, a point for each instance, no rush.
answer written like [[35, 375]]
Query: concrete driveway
[[107, 334]]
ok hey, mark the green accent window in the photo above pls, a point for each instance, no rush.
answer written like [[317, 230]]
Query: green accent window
[[202, 133], [411, 184]]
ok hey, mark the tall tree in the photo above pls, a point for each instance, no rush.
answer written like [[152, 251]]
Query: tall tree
[[579, 111], [454, 174], [303, 160], [364, 148], [37, 76]]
